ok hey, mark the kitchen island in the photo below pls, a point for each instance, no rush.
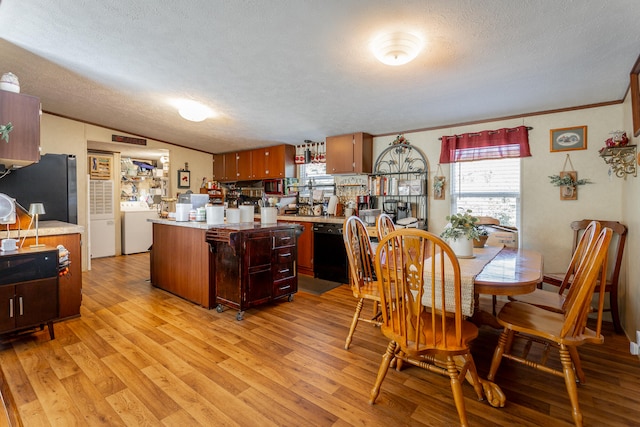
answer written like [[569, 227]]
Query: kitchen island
[[184, 263]]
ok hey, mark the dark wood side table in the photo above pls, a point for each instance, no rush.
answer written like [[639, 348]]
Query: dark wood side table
[[28, 289]]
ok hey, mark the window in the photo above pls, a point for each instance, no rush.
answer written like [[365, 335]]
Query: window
[[488, 188]]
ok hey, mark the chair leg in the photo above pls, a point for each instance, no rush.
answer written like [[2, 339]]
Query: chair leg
[[354, 323], [615, 316], [505, 336], [456, 387], [575, 358], [382, 371], [570, 382]]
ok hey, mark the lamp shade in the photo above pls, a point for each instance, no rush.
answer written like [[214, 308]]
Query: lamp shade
[[36, 209]]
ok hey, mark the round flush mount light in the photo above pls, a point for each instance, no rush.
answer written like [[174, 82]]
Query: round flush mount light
[[396, 48], [193, 110]]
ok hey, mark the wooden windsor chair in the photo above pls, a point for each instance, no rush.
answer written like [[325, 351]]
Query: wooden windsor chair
[[565, 331], [422, 313]]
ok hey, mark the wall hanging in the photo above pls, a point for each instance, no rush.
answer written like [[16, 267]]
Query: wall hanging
[[568, 181], [620, 156], [573, 138], [439, 181]]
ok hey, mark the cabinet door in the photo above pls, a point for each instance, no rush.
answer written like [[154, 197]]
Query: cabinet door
[[340, 154], [258, 163], [218, 167], [280, 162], [36, 302], [257, 262], [23, 111], [350, 153], [7, 308], [245, 168], [274, 162], [230, 166]]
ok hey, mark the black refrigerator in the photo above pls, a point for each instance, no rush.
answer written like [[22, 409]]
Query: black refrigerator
[[52, 181]]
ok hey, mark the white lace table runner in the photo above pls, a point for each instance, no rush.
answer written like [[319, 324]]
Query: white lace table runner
[[469, 269]]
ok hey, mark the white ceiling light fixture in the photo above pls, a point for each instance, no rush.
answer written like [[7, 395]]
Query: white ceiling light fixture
[[396, 48], [193, 110]]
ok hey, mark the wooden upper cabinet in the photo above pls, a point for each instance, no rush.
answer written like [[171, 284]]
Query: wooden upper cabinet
[[351, 153], [245, 167], [218, 167], [258, 163], [261, 163], [230, 166], [279, 161], [23, 112]]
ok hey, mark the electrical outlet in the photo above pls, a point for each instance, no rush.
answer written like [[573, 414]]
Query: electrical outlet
[[638, 337], [633, 348]]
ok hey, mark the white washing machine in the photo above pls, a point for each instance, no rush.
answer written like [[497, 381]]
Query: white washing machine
[[137, 232]]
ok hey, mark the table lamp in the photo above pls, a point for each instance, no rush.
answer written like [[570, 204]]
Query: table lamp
[[36, 209]]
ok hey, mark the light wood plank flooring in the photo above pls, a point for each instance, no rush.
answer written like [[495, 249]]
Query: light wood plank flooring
[[141, 356]]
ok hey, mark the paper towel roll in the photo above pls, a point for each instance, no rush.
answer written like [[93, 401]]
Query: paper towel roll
[[333, 205], [215, 214], [233, 216], [246, 213], [268, 215]]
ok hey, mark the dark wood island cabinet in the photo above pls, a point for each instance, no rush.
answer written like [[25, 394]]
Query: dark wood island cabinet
[[252, 264]]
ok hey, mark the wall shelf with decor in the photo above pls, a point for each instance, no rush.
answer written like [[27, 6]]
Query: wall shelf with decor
[[621, 160], [399, 182]]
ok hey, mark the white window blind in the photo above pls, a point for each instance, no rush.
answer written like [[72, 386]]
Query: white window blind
[[488, 188]]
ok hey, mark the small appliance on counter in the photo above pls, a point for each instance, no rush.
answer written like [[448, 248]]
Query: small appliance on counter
[[369, 216]]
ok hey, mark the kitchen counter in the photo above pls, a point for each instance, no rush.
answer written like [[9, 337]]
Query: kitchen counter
[[45, 228]]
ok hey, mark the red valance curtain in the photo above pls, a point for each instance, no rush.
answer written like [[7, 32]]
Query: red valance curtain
[[488, 144]]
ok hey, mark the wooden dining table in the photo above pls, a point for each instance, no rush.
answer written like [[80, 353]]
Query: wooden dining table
[[512, 271]]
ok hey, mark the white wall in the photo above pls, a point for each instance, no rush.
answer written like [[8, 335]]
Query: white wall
[[64, 136], [545, 218]]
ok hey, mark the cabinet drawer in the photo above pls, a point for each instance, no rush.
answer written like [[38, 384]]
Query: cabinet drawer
[[283, 238], [25, 267], [285, 287], [283, 270], [284, 255]]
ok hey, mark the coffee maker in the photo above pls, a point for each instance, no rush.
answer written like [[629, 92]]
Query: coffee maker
[[390, 207], [403, 210], [364, 202]]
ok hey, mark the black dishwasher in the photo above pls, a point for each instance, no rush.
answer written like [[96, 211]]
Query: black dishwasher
[[329, 254]]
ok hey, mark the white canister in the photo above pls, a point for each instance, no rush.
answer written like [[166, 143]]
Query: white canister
[[182, 211], [246, 213], [215, 214], [268, 215], [233, 216]]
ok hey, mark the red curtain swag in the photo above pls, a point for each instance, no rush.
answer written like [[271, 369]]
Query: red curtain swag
[[488, 144]]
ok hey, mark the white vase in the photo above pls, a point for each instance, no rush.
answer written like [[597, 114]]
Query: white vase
[[462, 247]]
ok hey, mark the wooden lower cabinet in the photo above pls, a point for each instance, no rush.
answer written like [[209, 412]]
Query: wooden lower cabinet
[[305, 248], [28, 289], [180, 262], [69, 284], [252, 264]]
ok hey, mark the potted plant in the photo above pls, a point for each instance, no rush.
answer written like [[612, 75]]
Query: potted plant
[[460, 233], [483, 235]]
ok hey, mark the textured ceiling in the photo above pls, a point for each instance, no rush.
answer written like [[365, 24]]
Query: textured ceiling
[[283, 71]]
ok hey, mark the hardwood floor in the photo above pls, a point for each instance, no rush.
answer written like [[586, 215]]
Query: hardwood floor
[[141, 356]]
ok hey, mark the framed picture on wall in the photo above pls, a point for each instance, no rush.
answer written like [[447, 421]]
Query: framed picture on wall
[[184, 179], [565, 139], [635, 97]]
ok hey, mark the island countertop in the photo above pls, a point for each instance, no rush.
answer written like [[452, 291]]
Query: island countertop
[[289, 218]]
